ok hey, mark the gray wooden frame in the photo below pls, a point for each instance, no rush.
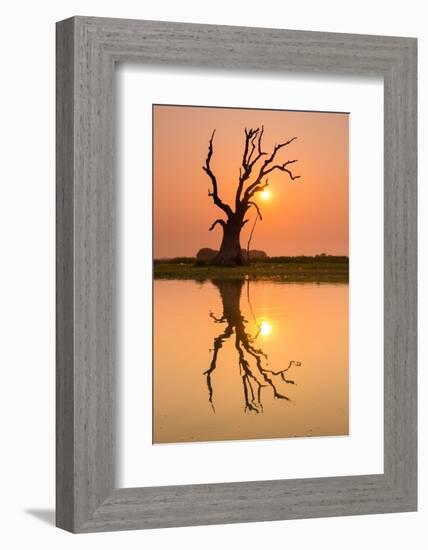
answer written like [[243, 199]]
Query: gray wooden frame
[[87, 50]]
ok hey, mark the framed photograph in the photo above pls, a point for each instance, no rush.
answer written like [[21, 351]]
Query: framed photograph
[[236, 274]]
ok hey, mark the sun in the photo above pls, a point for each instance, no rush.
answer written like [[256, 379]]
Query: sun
[[265, 328], [265, 194]]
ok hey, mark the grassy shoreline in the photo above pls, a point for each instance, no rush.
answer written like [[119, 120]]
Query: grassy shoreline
[[316, 269]]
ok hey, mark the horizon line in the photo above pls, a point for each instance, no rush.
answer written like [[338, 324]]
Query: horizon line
[[322, 254]]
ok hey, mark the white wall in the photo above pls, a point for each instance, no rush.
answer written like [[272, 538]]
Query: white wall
[[27, 270]]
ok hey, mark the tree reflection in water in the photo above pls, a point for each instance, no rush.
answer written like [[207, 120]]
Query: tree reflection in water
[[251, 359]]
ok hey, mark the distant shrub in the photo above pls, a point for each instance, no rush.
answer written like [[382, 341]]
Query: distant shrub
[[321, 258], [178, 260]]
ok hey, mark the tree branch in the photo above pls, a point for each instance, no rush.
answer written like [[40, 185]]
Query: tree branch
[[214, 193], [251, 203], [219, 221], [283, 168], [258, 188], [248, 161], [267, 167], [253, 137]]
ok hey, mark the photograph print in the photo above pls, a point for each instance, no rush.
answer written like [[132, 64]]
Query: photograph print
[[251, 274]]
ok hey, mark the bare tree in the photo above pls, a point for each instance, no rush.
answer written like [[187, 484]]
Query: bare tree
[[256, 165]]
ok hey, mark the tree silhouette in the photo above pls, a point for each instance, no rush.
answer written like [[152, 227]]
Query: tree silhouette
[[251, 359], [255, 167]]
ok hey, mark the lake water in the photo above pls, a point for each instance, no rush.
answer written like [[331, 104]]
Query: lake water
[[239, 359]]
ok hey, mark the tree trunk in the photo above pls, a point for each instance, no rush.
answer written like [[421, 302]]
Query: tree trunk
[[230, 253], [230, 292]]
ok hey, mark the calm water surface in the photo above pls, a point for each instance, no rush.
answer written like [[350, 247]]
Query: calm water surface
[[243, 360]]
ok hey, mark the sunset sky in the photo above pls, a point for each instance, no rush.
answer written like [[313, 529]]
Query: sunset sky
[[306, 216]]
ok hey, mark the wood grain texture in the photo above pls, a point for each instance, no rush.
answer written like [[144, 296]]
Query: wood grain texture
[[64, 276], [87, 49]]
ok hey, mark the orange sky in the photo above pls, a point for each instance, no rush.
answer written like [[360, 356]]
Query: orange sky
[[305, 216]]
